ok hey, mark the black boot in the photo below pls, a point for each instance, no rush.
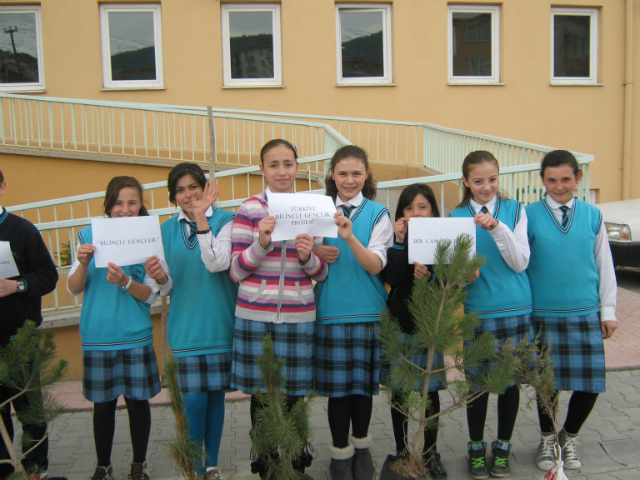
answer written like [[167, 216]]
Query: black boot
[[302, 462], [261, 466]]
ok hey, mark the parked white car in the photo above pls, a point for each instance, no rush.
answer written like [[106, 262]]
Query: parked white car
[[622, 220]]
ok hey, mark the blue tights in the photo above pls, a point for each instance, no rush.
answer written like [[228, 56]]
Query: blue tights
[[205, 413]]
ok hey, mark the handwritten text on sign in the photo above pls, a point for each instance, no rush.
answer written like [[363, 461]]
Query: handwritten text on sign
[[8, 267], [424, 234], [126, 241], [298, 213]]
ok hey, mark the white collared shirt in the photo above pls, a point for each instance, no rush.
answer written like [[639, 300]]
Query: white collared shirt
[[513, 245], [381, 235], [215, 252], [608, 289]]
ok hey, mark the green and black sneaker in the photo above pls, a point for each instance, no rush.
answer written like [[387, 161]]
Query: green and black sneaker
[[500, 452], [476, 461]]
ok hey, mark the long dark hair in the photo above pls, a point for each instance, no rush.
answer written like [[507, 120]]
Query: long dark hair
[[1, 177], [557, 158], [369, 189], [409, 194], [113, 190], [471, 160], [274, 143], [180, 171]]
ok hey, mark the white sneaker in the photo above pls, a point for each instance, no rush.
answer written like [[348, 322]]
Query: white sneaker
[[546, 452], [569, 452]]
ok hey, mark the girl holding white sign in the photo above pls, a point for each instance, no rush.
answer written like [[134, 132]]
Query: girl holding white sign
[[276, 292], [574, 299], [347, 365], [500, 296], [416, 200], [197, 245], [117, 343]]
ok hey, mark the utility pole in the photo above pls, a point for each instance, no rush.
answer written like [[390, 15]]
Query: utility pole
[[11, 31]]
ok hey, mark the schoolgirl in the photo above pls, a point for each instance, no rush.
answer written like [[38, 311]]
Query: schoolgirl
[[347, 366], [117, 343], [574, 298], [416, 200], [276, 293], [500, 296], [197, 245]]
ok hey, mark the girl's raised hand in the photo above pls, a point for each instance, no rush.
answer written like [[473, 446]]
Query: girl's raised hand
[[400, 229], [345, 227], [154, 270], [421, 271], [327, 253], [209, 197], [265, 228], [473, 276], [85, 253], [486, 221], [304, 245], [116, 274]]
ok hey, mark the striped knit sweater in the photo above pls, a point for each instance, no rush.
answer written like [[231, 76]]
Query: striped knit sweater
[[274, 286]]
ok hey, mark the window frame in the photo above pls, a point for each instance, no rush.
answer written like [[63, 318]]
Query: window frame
[[387, 45], [494, 78], [107, 78], [594, 40], [34, 86], [228, 80]]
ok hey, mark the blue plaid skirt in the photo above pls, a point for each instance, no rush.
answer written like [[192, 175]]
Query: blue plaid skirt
[[347, 359], [107, 374], [293, 342], [204, 373], [436, 382], [518, 328], [577, 351]]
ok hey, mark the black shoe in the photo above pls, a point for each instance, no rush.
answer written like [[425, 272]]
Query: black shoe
[[476, 461], [500, 452], [434, 465]]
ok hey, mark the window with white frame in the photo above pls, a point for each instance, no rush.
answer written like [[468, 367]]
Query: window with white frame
[[251, 50], [474, 44], [21, 67], [363, 44], [574, 46], [131, 46]]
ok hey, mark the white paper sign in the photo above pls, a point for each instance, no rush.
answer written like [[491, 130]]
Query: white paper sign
[[8, 267], [298, 213], [424, 234], [126, 241]]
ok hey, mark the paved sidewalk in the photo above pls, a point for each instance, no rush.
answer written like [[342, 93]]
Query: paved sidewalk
[[610, 440]]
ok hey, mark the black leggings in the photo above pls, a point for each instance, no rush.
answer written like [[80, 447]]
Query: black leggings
[[508, 404], [580, 406], [399, 421], [350, 412], [104, 426]]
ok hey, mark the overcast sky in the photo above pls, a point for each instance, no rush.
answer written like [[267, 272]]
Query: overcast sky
[[130, 31], [25, 37]]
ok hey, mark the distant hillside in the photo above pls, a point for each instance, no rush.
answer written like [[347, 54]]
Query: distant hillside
[[367, 48], [248, 41], [135, 64]]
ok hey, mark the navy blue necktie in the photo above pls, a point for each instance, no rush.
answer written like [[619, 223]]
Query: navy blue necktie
[[565, 215], [346, 209], [194, 228], [484, 209]]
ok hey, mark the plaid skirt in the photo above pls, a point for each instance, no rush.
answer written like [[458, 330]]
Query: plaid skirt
[[292, 342], [107, 374], [347, 359], [204, 373], [435, 382], [577, 351], [517, 328]]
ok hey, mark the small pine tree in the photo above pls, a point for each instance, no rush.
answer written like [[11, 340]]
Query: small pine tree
[[280, 435], [184, 452], [440, 326], [27, 365]]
